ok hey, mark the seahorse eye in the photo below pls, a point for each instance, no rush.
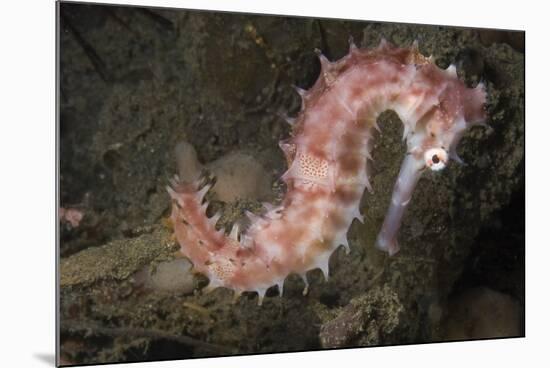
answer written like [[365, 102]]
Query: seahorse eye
[[435, 158]]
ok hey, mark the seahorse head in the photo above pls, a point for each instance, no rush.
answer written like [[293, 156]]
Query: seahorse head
[[436, 111], [449, 108]]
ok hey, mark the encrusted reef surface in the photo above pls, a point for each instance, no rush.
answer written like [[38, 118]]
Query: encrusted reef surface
[[135, 83]]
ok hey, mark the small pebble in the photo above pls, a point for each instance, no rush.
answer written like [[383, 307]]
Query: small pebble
[[174, 276]]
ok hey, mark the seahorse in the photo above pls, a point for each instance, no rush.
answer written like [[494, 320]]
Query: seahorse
[[327, 175]]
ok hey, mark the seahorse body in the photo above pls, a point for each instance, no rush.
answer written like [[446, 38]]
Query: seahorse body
[[327, 156]]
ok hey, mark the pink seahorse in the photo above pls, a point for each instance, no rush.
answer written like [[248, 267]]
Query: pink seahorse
[[327, 156]]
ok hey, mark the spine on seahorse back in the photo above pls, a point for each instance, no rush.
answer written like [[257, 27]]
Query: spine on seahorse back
[[327, 157]]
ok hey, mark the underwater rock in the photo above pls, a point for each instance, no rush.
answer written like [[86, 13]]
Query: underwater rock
[[173, 276], [368, 320], [189, 167], [116, 260], [482, 313], [238, 175]]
